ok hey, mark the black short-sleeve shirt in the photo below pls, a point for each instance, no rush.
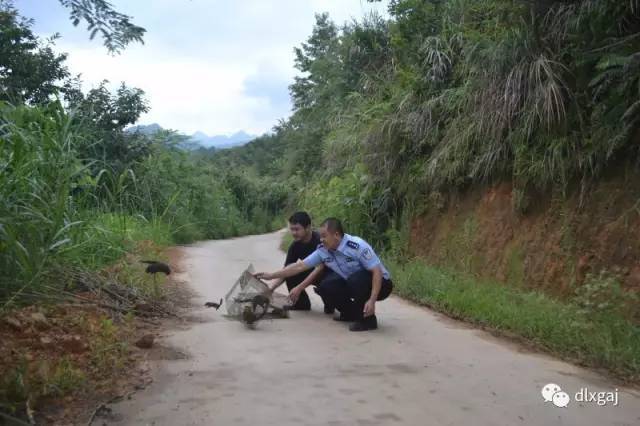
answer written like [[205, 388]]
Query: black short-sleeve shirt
[[299, 250]]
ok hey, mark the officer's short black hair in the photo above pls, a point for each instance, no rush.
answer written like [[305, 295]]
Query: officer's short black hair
[[300, 218], [333, 225]]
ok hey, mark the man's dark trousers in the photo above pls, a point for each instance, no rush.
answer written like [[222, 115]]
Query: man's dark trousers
[[349, 296]]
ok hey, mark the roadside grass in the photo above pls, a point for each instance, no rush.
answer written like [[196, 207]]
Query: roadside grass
[[588, 337], [108, 237], [109, 345]]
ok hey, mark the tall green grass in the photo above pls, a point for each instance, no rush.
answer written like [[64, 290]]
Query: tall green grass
[[38, 166], [43, 221], [105, 237], [57, 208]]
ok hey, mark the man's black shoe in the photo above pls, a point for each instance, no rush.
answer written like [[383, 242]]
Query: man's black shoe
[[329, 310], [367, 323], [344, 318]]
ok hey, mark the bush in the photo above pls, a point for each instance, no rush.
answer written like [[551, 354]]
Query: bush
[[603, 295]]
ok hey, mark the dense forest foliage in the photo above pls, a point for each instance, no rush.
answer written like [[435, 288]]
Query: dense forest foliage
[[392, 114], [389, 114], [76, 188]]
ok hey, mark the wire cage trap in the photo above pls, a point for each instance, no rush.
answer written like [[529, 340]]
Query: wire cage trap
[[241, 296]]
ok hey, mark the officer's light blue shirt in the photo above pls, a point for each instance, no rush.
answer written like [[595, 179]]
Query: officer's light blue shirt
[[352, 255]]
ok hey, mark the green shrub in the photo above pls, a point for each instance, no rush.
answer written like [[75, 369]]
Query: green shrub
[[603, 295]]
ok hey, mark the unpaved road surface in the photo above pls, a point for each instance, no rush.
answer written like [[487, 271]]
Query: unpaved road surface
[[419, 368]]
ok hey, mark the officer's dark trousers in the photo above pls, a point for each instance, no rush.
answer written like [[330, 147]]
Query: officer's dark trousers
[[303, 301], [349, 296]]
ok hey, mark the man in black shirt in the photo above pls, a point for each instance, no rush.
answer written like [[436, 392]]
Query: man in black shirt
[[305, 242]]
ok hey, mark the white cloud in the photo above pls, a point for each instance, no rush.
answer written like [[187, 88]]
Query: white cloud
[[215, 66]]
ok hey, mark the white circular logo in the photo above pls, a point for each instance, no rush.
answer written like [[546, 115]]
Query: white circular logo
[[553, 393], [548, 391], [561, 399]]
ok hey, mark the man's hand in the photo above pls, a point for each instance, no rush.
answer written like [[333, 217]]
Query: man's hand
[[295, 293], [288, 271], [369, 308], [263, 275], [376, 285]]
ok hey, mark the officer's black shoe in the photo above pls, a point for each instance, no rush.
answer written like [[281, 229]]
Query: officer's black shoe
[[367, 323], [329, 310], [345, 318]]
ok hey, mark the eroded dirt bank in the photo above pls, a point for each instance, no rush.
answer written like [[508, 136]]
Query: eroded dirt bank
[[547, 242]]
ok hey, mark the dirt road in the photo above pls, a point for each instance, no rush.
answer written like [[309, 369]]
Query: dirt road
[[419, 368]]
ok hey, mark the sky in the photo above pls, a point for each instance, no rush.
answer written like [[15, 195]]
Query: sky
[[216, 66]]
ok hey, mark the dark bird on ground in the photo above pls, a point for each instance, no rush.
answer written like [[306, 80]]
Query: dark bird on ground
[[258, 300], [248, 316], [213, 305], [155, 267]]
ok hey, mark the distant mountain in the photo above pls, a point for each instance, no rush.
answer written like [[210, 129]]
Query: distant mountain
[[148, 129], [201, 138], [222, 141]]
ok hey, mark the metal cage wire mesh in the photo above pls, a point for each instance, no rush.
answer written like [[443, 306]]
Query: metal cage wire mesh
[[246, 287]]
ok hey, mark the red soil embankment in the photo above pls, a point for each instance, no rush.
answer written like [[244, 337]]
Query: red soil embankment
[[553, 245]]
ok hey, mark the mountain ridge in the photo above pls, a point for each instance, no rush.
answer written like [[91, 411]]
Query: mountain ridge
[[200, 138]]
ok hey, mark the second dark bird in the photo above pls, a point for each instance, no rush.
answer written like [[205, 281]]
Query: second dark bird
[[213, 305], [155, 267]]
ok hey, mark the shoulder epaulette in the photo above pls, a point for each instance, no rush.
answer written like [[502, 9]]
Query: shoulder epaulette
[[353, 244]]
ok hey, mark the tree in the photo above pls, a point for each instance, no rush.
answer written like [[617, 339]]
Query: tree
[[111, 112], [29, 69], [318, 59], [31, 72], [102, 116], [116, 28]]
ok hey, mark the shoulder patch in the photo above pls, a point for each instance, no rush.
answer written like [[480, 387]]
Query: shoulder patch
[[367, 254], [353, 244]]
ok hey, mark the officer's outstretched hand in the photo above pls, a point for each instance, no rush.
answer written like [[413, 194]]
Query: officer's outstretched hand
[[369, 308], [263, 276]]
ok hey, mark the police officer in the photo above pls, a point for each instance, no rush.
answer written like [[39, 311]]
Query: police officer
[[355, 281]]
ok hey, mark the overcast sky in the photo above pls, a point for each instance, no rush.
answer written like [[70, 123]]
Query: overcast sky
[[218, 66]]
